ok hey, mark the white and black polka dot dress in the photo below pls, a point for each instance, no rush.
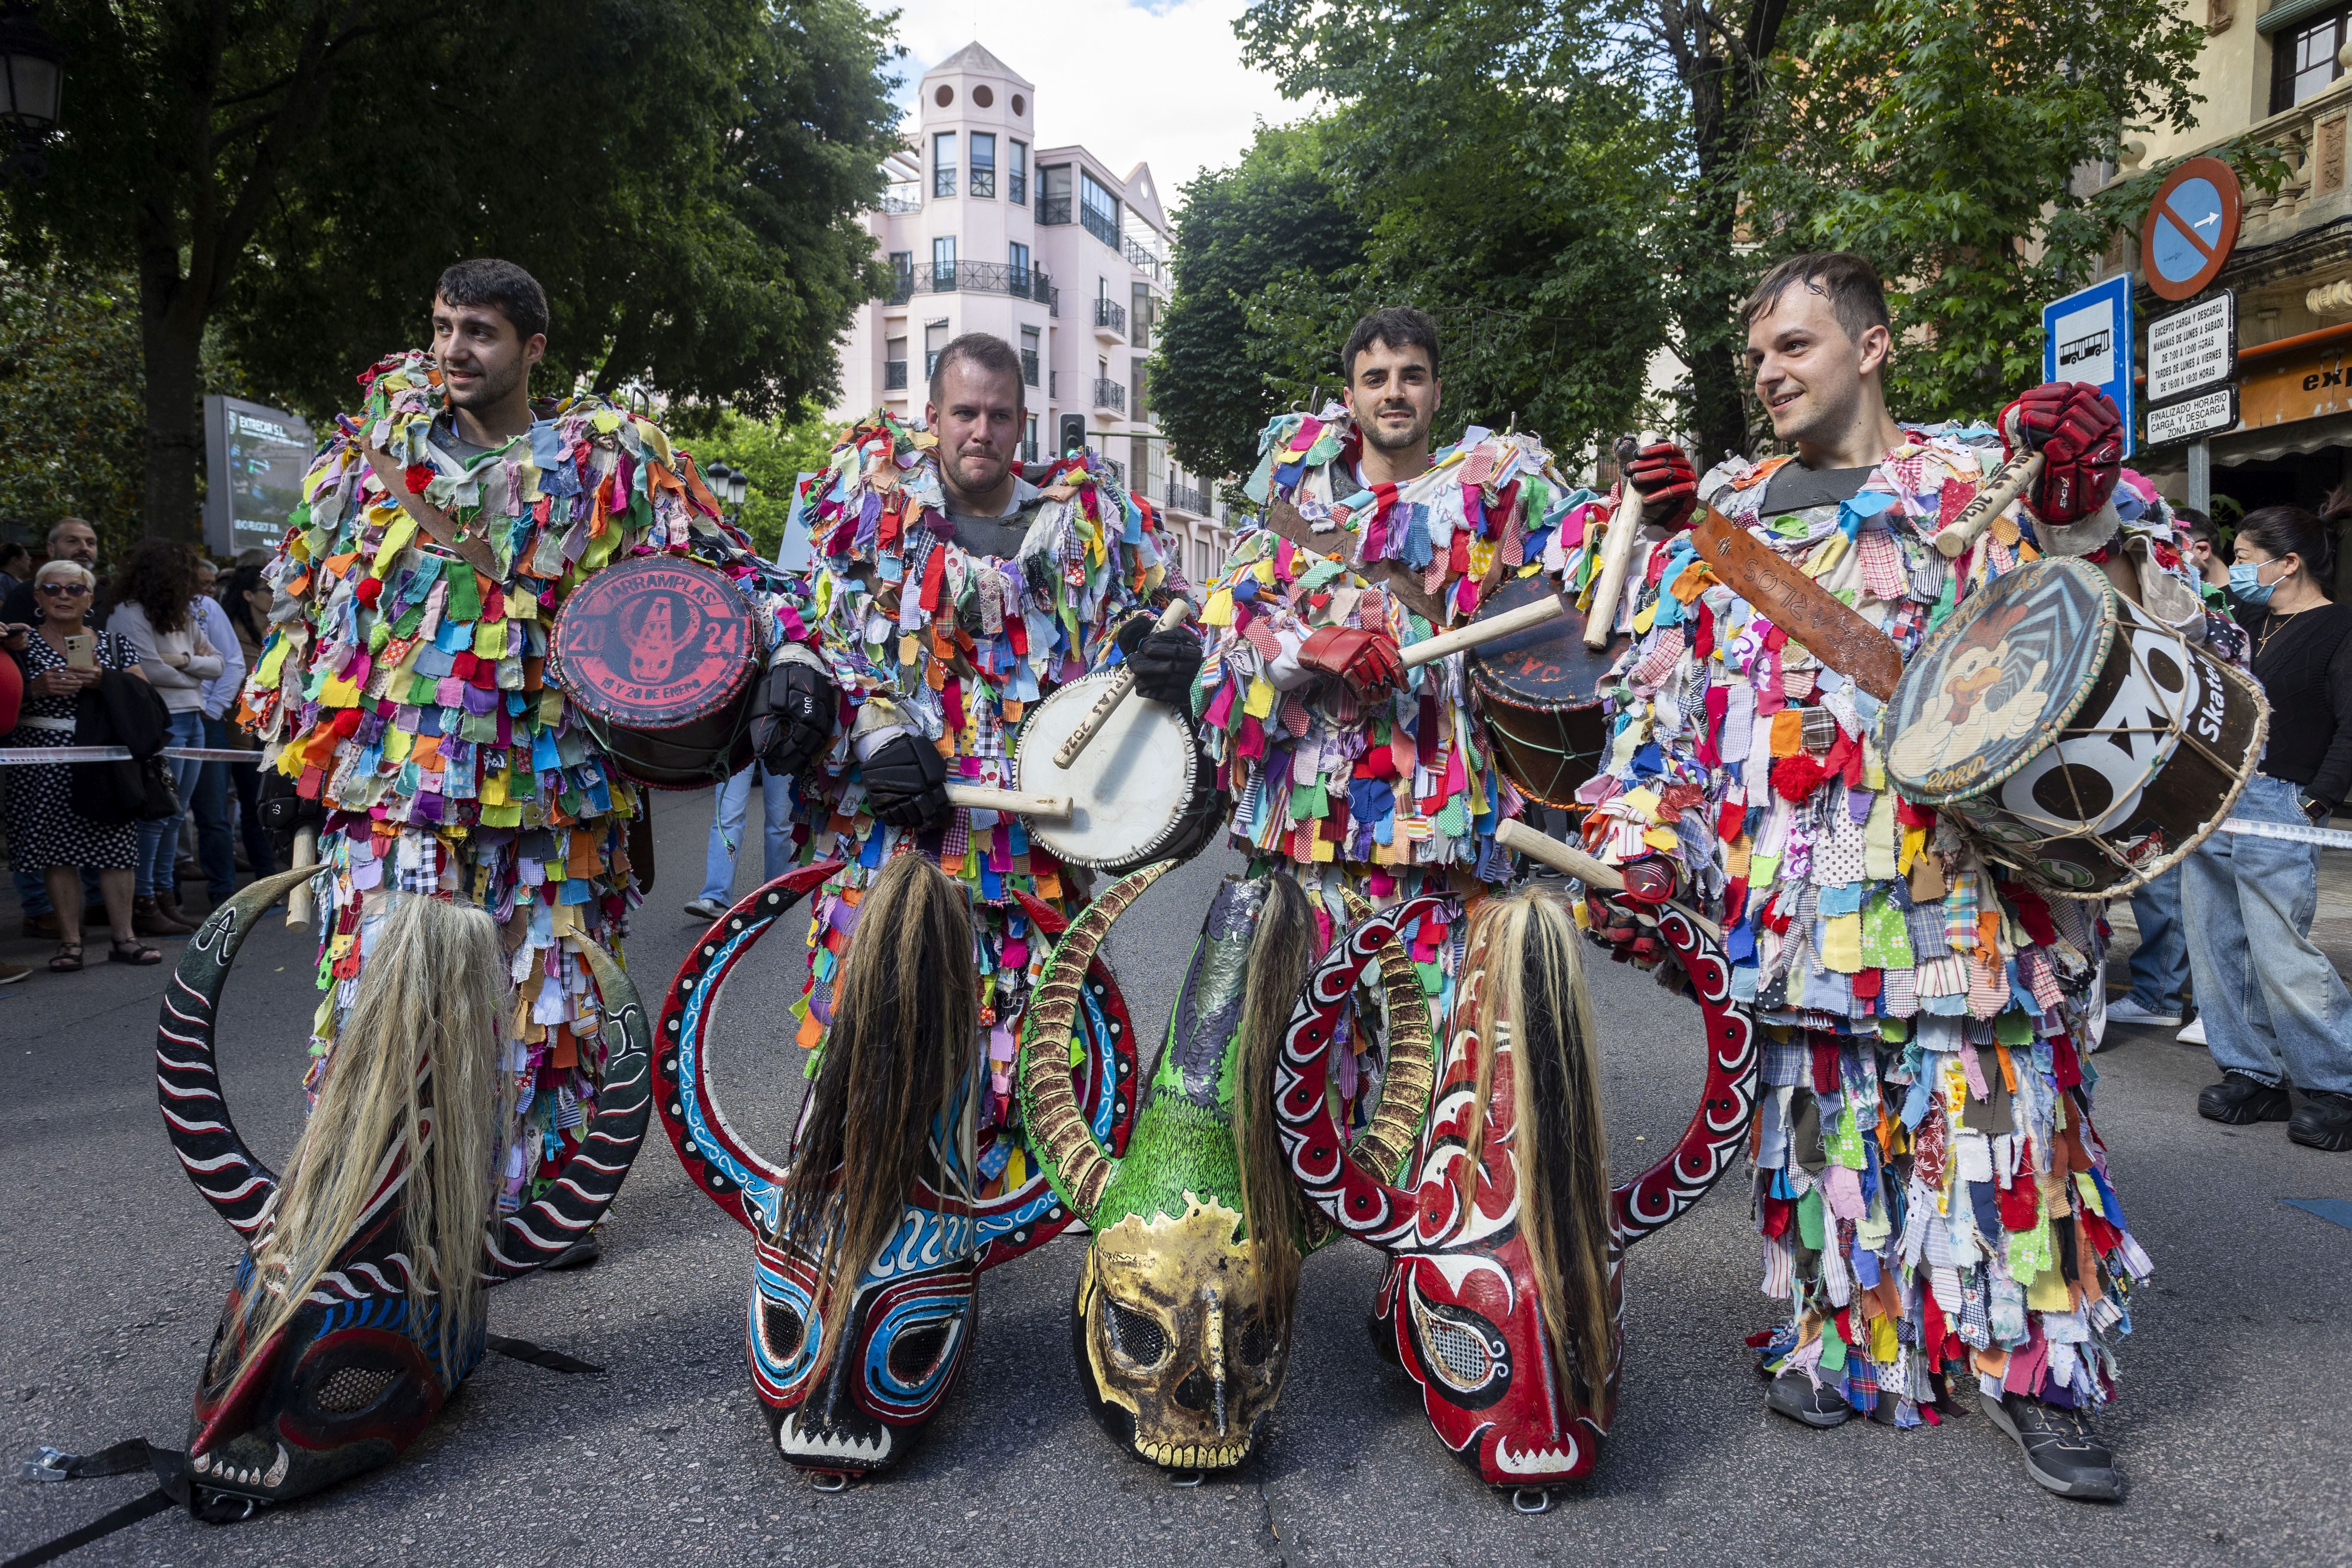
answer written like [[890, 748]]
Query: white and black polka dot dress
[[44, 828]]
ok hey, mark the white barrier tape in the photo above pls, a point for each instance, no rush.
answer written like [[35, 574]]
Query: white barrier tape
[[36, 756], [2293, 833]]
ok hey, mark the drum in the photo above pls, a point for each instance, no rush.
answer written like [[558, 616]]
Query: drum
[[2075, 736], [1141, 791], [1538, 697], [659, 653]]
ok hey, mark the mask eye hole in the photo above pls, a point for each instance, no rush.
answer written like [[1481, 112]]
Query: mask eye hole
[[783, 1330], [916, 1354], [352, 1388], [1461, 1351], [1253, 1344], [1139, 1338]]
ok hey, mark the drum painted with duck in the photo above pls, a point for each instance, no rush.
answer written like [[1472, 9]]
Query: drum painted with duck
[[2077, 739]]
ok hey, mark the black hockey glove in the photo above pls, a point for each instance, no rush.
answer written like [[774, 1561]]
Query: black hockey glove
[[907, 782], [793, 717]]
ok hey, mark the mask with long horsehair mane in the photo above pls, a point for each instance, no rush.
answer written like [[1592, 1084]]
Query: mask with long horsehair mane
[[344, 1381], [1182, 1325], [1477, 1289], [907, 1316]]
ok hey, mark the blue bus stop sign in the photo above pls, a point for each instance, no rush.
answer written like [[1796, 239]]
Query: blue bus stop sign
[[2087, 336]]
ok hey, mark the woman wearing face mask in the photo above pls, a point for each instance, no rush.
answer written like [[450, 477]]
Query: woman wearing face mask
[[2272, 1008]]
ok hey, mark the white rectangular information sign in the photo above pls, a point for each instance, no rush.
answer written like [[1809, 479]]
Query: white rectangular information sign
[[2192, 348], [2216, 410]]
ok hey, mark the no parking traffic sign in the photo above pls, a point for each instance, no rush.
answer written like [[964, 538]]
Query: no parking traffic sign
[[2190, 229]]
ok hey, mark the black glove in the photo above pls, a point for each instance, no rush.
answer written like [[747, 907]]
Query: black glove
[[907, 782], [1166, 664], [793, 717], [285, 813]]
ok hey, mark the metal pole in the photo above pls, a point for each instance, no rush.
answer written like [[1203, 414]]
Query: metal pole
[[2201, 475]]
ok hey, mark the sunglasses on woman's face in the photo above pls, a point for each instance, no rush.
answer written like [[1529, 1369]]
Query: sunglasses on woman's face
[[69, 590]]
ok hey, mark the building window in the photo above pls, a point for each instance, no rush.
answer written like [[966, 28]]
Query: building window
[[1029, 356], [1016, 262], [902, 276], [1138, 319], [1029, 441], [1098, 209], [894, 365], [935, 338], [983, 164], [943, 164], [2303, 58], [1135, 372], [1054, 193], [1017, 172], [943, 266]]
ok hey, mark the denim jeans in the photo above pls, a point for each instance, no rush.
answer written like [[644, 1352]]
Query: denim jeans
[[733, 805], [216, 844], [2159, 965], [159, 839], [2274, 1008]]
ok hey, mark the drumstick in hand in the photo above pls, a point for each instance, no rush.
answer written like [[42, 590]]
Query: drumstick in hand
[[1520, 839], [981, 797], [2011, 480], [298, 899], [1428, 651], [1116, 693], [1616, 555]]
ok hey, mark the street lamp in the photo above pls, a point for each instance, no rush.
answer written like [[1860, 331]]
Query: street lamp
[[32, 81], [728, 488]]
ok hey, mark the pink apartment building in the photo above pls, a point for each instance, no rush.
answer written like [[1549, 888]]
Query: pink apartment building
[[987, 231]]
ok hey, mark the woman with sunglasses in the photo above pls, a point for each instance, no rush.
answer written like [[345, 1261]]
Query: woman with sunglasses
[[44, 827]]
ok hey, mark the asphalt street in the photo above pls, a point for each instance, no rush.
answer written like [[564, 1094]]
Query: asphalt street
[[2232, 1423]]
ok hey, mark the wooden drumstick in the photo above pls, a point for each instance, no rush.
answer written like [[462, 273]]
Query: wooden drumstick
[[1115, 693], [1544, 610], [981, 797], [2012, 479], [1616, 555], [298, 899], [1520, 839]]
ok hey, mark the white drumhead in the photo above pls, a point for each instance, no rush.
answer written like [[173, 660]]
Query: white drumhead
[[1129, 786]]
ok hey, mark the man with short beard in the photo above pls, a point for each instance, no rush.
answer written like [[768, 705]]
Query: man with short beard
[[1935, 1204]]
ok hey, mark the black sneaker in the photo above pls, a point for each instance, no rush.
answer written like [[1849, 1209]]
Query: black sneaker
[[2238, 1099], [2323, 1121], [1800, 1398], [2063, 1452]]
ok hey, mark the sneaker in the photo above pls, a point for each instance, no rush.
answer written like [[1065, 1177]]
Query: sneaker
[[148, 919], [705, 909], [2239, 1099], [2130, 1012], [2195, 1033], [2323, 1121], [12, 973], [1800, 1398], [2063, 1451], [41, 928]]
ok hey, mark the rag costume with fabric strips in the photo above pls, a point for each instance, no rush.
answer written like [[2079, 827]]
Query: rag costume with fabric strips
[[403, 694], [1932, 1195]]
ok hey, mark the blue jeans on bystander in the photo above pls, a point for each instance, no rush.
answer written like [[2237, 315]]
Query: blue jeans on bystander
[[2159, 965], [733, 805], [158, 838], [2274, 1008]]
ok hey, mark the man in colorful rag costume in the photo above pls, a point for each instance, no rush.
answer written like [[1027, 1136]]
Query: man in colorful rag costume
[[1933, 1197], [402, 696]]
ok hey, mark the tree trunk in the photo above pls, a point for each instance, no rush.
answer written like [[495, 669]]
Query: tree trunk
[[172, 335], [1713, 344]]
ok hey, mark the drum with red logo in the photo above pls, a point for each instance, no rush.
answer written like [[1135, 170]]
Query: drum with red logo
[[659, 653]]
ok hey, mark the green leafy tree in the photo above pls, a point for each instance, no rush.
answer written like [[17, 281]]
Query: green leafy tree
[[681, 175], [1276, 216], [1941, 139], [772, 455]]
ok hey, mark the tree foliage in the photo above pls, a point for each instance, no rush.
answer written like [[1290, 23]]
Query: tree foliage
[[773, 454], [682, 176]]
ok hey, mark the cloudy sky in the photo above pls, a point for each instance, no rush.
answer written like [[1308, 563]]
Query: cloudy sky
[[1159, 82]]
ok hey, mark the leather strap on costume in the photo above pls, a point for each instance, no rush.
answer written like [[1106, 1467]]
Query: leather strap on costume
[[1284, 519], [433, 522], [1808, 612]]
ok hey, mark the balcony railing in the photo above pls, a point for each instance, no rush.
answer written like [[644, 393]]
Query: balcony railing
[[1110, 395], [1016, 189], [944, 181], [1110, 315], [974, 278], [1054, 209], [1141, 257], [894, 376], [1102, 226], [1029, 366], [1188, 496], [903, 199], [983, 181]]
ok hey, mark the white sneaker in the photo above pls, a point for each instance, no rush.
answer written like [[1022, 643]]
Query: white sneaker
[[2195, 1033], [2130, 1012], [711, 909]]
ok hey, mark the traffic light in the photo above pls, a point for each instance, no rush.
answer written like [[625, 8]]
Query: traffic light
[[1074, 434]]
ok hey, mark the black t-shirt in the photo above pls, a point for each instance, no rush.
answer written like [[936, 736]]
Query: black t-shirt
[[2305, 663]]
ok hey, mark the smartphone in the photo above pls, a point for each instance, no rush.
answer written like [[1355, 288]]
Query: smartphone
[[81, 651]]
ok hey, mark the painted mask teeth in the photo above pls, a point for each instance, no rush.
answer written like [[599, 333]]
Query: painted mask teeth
[[796, 1443], [1534, 1461], [1194, 1455], [276, 1475]]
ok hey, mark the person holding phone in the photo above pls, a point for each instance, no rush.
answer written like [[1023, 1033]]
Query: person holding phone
[[62, 658]]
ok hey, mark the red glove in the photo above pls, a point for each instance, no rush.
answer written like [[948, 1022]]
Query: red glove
[[1650, 881], [1367, 661], [2080, 434], [1668, 486]]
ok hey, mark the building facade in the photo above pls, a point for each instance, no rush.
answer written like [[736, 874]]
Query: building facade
[[2276, 72], [1046, 248]]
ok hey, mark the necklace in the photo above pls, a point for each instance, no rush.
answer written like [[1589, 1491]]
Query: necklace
[[2278, 621]]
